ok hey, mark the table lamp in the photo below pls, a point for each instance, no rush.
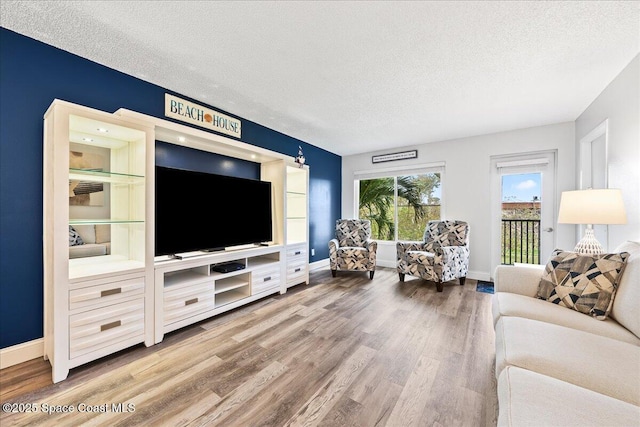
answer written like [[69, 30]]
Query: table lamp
[[593, 206]]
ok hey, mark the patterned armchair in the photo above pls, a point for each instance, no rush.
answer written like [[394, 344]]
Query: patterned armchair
[[353, 249], [442, 256]]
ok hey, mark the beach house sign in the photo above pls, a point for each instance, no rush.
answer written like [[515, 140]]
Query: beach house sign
[[189, 112]]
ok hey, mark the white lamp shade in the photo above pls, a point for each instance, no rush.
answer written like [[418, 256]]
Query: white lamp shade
[[592, 207]]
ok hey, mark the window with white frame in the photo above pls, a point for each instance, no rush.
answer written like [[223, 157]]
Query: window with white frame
[[400, 204]]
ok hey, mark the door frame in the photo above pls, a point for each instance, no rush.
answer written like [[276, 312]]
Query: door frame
[[527, 162]]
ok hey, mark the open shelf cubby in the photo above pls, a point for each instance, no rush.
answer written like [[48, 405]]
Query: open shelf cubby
[[231, 283], [183, 277], [264, 260], [231, 296]]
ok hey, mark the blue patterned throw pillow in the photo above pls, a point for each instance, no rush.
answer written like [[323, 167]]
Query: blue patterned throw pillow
[[74, 237]]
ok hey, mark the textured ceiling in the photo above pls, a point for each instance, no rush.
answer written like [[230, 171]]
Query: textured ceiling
[[359, 76]]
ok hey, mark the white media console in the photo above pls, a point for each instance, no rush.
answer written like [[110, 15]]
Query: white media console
[[97, 305], [189, 290]]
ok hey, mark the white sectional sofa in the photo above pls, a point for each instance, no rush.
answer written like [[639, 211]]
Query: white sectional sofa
[[558, 367]]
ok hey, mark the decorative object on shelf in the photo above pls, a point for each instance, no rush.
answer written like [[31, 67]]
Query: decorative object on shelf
[[592, 206], [300, 157], [74, 237], [86, 193]]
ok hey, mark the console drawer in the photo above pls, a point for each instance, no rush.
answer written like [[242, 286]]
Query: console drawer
[[265, 280], [297, 262], [106, 294], [187, 301], [296, 272], [105, 327], [296, 252]]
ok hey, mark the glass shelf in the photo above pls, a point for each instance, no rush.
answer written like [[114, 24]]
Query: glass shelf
[[104, 221], [296, 193], [104, 176]]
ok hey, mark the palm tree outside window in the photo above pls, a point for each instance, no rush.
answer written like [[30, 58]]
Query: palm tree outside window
[[399, 207]]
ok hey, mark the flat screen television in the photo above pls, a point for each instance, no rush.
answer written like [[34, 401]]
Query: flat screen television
[[197, 211]]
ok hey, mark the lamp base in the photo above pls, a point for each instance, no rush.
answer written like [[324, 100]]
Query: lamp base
[[589, 244]]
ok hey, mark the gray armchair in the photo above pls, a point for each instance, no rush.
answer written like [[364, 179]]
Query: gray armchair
[[353, 249], [442, 256]]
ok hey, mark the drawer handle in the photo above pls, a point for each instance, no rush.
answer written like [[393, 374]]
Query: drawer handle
[[266, 279], [191, 301], [110, 292], [111, 325], [297, 253], [297, 269]]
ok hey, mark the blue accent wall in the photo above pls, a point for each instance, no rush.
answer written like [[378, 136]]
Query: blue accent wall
[[32, 75], [179, 157]]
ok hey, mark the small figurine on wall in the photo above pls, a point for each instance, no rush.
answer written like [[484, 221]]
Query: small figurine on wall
[[300, 157]]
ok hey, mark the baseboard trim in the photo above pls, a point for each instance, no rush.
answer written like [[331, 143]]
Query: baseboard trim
[[479, 275], [316, 265], [386, 263], [20, 353]]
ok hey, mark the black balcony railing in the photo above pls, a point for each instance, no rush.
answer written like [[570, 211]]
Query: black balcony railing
[[521, 241]]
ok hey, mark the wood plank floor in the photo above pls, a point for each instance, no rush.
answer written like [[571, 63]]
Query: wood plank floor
[[344, 351]]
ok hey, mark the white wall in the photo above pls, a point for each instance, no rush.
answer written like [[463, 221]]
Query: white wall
[[466, 187], [620, 104]]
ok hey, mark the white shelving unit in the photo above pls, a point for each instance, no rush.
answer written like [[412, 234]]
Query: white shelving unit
[[297, 224], [96, 305], [297, 188]]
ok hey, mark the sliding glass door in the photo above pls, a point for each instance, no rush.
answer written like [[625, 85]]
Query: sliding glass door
[[399, 207]]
